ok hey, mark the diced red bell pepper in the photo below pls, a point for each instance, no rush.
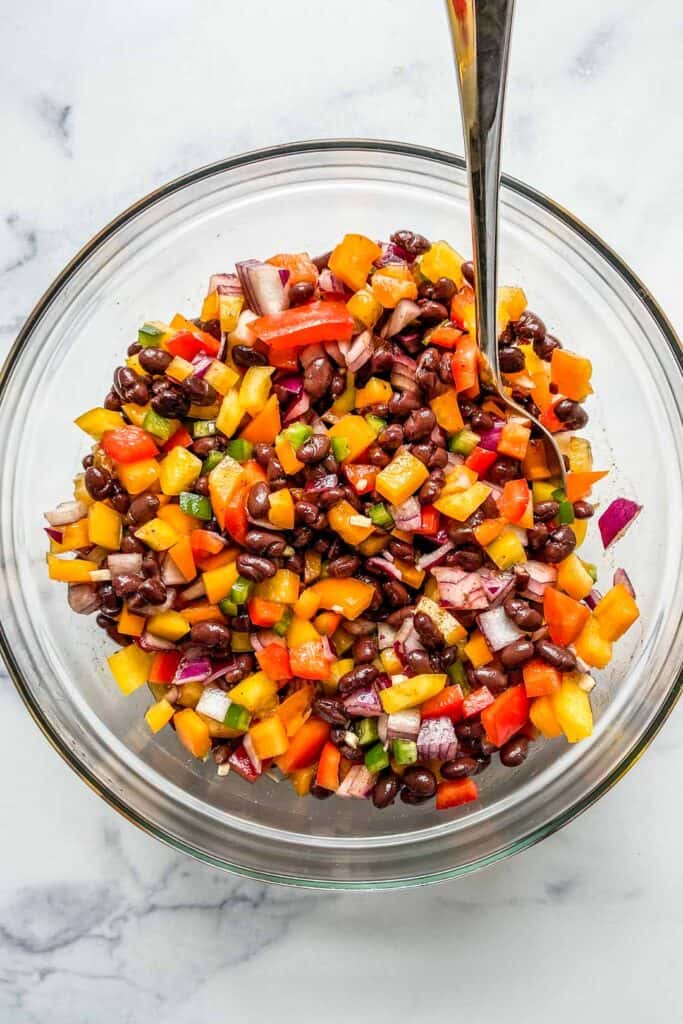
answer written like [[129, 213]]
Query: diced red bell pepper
[[448, 703], [186, 345], [327, 775], [239, 762], [181, 439], [305, 746], [264, 613], [273, 659], [507, 715], [540, 678], [480, 460], [455, 792], [429, 526], [205, 542], [565, 616], [477, 701], [235, 520], [129, 444], [308, 661], [514, 500], [284, 359], [361, 477], [550, 421], [164, 665], [252, 473], [305, 325], [465, 364]]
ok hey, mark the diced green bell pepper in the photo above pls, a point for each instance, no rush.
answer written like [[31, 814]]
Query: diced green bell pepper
[[211, 461], [376, 758], [463, 443], [404, 751], [380, 516], [297, 433], [197, 505], [149, 336], [240, 449], [366, 730], [282, 626], [375, 422], [237, 717], [340, 448], [240, 591], [203, 428], [157, 425]]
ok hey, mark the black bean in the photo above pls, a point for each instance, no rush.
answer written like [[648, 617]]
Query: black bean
[[397, 618], [150, 565], [546, 510], [395, 593], [419, 424], [459, 768], [316, 791], [511, 359], [401, 549], [322, 261], [331, 496], [87, 461], [171, 401], [301, 292], [258, 500], [385, 790], [420, 780], [402, 403], [210, 634], [264, 542], [458, 534], [315, 449], [331, 710], [318, 377], [155, 360], [377, 456], [199, 391], [109, 626], [503, 470], [514, 752], [204, 445], [423, 451], [243, 356], [221, 753], [201, 486], [467, 271], [517, 653], [432, 312], [468, 559], [360, 626], [443, 289], [560, 544], [263, 452], [529, 326], [491, 677], [152, 591], [112, 402], [119, 498], [361, 675], [418, 662], [432, 487], [365, 649], [571, 414], [125, 380], [428, 631], [110, 602], [469, 730], [537, 536], [414, 799], [130, 545], [413, 243], [544, 347], [583, 509], [559, 657], [142, 509], [254, 567], [481, 421], [98, 483], [344, 565], [522, 614], [302, 536], [306, 512], [274, 470]]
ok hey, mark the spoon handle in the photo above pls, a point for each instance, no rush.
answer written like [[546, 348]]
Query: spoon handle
[[481, 41]]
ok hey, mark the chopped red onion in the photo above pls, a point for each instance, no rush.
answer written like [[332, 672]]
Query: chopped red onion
[[331, 287], [408, 515], [593, 598], [328, 652], [357, 783], [404, 725], [219, 670], [225, 284], [360, 351], [461, 590], [170, 573], [195, 671], [292, 382], [334, 352], [616, 519], [382, 682], [194, 591], [405, 313], [385, 636], [394, 253], [66, 513], [436, 740], [263, 287], [255, 760], [382, 726], [321, 483], [432, 558], [376, 564], [124, 564], [243, 334], [497, 585], [498, 630], [403, 372], [298, 408], [490, 439], [622, 577], [284, 274], [241, 763], [151, 643], [541, 575], [402, 634], [364, 702], [83, 598], [412, 642], [56, 535], [201, 365], [214, 703], [100, 575]]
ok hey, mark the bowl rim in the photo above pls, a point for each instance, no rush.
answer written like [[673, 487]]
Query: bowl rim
[[228, 164]]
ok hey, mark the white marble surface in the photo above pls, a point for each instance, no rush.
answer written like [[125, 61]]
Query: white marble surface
[[98, 923]]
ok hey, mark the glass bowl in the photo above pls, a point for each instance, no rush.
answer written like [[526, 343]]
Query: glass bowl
[[154, 260]]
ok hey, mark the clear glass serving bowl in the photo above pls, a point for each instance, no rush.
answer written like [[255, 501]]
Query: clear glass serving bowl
[[154, 260]]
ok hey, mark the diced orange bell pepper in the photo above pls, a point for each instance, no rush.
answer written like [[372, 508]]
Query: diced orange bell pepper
[[444, 335], [375, 391], [273, 659], [192, 732], [205, 542], [514, 440], [295, 710], [616, 612], [264, 613], [266, 425], [327, 623], [392, 283], [181, 522], [349, 597], [299, 264], [72, 570], [549, 420], [514, 500], [305, 325], [506, 716], [579, 485], [565, 616], [465, 365], [447, 411], [571, 373], [511, 303], [351, 260], [540, 678], [306, 605], [357, 433], [202, 611], [351, 525], [309, 662], [137, 477], [361, 477], [574, 578], [543, 717], [328, 767], [453, 792], [305, 746], [462, 310], [591, 646], [404, 475], [535, 465], [130, 624], [477, 650], [302, 780], [224, 481], [487, 531], [183, 559], [286, 453], [211, 307], [269, 737], [218, 582], [207, 563], [281, 511]]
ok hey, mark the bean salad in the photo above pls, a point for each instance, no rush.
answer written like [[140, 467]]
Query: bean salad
[[329, 552]]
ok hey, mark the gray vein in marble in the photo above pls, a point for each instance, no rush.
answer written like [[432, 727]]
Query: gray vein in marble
[[56, 117], [26, 239]]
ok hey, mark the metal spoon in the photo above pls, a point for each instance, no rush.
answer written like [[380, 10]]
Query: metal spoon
[[481, 44]]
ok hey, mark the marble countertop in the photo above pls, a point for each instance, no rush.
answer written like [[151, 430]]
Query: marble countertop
[[98, 923]]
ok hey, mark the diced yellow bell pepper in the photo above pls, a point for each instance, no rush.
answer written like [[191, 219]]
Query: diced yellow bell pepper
[[375, 391], [189, 694], [74, 536], [462, 504], [542, 490], [506, 550], [349, 597], [580, 455], [72, 570], [351, 526], [224, 480], [255, 388], [210, 308], [130, 668], [574, 578], [133, 363], [221, 377], [616, 612], [229, 309], [458, 479], [401, 478], [579, 528], [351, 260], [356, 431], [543, 717], [269, 737], [256, 693], [286, 453], [218, 730], [307, 605], [158, 535], [410, 574], [136, 413], [339, 669], [447, 411], [532, 363], [130, 624], [302, 779], [365, 308], [392, 283], [283, 587], [347, 400], [81, 491], [572, 710], [218, 582], [391, 663], [591, 646], [159, 715], [137, 477], [179, 470], [179, 369], [192, 732], [511, 304], [96, 421], [104, 526], [477, 650], [411, 692], [441, 260], [241, 643], [373, 544], [447, 624], [168, 625], [181, 522], [301, 632], [230, 414], [281, 510]]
